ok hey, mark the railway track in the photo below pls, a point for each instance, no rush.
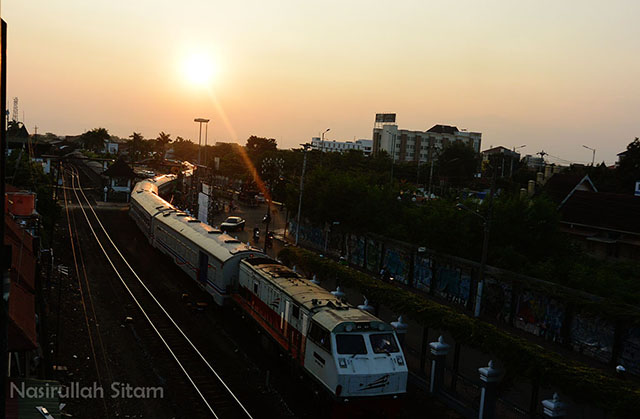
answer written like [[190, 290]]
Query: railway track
[[185, 366]]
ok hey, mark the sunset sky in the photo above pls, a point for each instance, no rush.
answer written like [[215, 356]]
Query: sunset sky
[[553, 75]]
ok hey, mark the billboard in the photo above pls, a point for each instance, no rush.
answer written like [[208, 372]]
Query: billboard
[[637, 193], [385, 117]]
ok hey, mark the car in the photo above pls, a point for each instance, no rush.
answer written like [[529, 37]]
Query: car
[[260, 198], [233, 224]]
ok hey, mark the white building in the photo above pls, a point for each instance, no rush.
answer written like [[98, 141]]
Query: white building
[[366, 146], [416, 146]]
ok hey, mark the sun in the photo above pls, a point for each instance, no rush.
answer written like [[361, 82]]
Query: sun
[[199, 69]]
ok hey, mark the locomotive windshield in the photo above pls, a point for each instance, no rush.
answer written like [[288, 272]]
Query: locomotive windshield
[[383, 343], [350, 344]]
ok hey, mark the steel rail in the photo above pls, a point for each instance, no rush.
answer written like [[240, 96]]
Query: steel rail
[[156, 300]]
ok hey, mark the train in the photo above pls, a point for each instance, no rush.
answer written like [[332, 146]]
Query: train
[[348, 352]]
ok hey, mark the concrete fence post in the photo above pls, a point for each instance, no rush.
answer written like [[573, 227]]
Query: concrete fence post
[[439, 351], [554, 408], [401, 330], [489, 377]]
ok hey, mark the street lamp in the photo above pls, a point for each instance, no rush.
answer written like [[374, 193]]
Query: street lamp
[[483, 259], [593, 159], [200, 121], [306, 147], [322, 138]]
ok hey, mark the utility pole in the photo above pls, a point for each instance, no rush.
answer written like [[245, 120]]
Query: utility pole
[[430, 170], [306, 146], [593, 159], [4, 259], [200, 121]]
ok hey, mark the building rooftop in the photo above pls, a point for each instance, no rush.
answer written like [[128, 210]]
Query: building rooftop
[[561, 186], [603, 210], [444, 129]]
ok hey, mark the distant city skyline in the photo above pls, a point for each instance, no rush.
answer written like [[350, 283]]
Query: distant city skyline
[[552, 75]]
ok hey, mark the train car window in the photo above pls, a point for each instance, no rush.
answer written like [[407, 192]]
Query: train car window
[[320, 336], [295, 311], [255, 288], [383, 343], [350, 344]]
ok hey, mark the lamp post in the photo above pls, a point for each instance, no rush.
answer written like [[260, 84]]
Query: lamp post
[[306, 147], [322, 138], [200, 121], [593, 159], [486, 224], [514, 150], [431, 169], [483, 258]]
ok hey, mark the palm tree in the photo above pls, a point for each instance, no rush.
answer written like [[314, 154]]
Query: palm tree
[[135, 146], [161, 145]]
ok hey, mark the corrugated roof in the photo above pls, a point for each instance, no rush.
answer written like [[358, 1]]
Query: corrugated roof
[[119, 169]]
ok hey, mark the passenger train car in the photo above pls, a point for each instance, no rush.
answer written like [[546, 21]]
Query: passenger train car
[[349, 352], [206, 254]]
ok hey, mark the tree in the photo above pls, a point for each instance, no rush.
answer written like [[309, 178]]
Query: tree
[[258, 146], [629, 168], [458, 162], [94, 139], [17, 129], [136, 146], [184, 149], [160, 146]]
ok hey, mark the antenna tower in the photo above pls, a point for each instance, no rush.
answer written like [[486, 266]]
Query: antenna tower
[[542, 154], [15, 109]]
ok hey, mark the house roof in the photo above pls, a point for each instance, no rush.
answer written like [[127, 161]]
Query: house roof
[[443, 129], [562, 185], [119, 169], [603, 210]]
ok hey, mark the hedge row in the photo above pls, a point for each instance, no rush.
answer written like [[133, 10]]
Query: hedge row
[[520, 357]]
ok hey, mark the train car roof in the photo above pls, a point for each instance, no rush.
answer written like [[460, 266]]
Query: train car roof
[[312, 297], [221, 245]]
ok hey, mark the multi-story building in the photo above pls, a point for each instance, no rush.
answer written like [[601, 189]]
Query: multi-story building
[[419, 146], [365, 146]]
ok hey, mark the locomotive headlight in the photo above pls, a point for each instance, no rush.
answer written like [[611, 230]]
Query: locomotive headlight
[[342, 362], [400, 360]]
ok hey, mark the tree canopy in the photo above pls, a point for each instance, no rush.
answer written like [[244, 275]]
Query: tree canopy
[[95, 138], [629, 169]]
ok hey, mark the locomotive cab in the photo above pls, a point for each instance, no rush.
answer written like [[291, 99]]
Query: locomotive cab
[[355, 359]]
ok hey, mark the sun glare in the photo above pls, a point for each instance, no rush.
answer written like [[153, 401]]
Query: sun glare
[[199, 69]]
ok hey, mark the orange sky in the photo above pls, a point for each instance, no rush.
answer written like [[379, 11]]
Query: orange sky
[[552, 75]]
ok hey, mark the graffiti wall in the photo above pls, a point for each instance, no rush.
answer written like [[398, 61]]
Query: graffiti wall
[[397, 262], [453, 284], [592, 336], [356, 250], [539, 315], [630, 356], [310, 235], [422, 273], [374, 250], [496, 300]]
